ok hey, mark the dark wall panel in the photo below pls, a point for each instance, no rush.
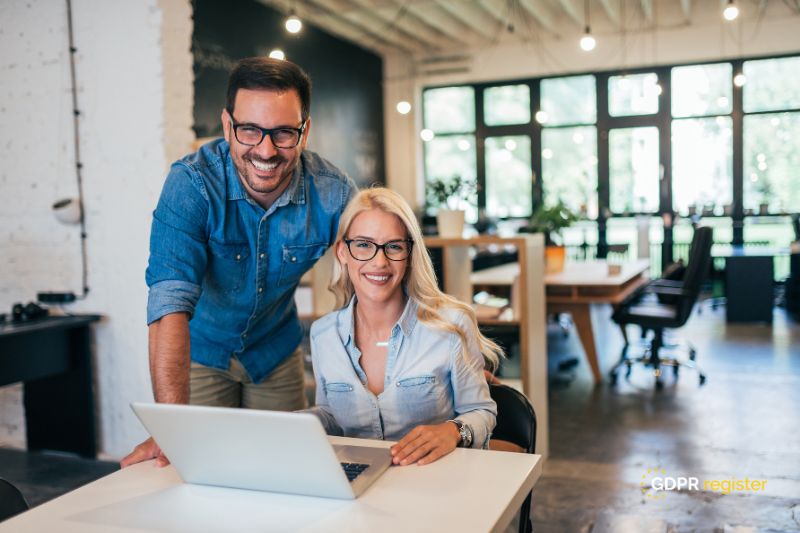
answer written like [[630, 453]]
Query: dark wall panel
[[347, 94]]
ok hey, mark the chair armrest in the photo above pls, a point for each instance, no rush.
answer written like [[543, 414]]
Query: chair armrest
[[667, 291], [666, 283]]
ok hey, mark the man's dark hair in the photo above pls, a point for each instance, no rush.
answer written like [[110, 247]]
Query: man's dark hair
[[265, 73]]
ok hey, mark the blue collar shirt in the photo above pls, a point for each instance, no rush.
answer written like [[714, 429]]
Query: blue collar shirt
[[233, 266], [428, 379]]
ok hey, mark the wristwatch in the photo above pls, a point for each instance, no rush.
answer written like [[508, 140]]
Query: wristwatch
[[465, 432]]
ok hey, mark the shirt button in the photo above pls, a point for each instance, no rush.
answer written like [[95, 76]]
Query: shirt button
[[261, 289], [238, 257], [244, 335], [294, 259], [261, 255]]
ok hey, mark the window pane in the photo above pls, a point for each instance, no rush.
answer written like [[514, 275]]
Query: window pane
[[568, 101], [569, 168], [625, 231], [510, 104], [772, 163], [702, 164], [508, 176], [634, 170], [635, 94], [450, 109], [772, 232], [450, 156], [772, 84], [701, 90], [581, 240]]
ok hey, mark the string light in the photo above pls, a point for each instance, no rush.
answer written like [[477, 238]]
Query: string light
[[587, 41], [277, 54], [293, 24], [403, 107]]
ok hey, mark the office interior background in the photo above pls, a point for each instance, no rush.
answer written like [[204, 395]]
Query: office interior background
[[676, 114]]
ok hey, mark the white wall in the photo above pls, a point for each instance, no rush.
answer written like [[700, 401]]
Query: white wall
[[134, 71], [706, 38]]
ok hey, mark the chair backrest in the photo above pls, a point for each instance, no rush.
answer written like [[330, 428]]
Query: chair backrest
[[516, 419], [697, 269], [11, 500]]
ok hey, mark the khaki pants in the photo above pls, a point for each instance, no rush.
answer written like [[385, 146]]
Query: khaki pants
[[282, 390]]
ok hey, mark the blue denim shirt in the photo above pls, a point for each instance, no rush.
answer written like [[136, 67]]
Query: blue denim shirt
[[219, 256], [428, 379]]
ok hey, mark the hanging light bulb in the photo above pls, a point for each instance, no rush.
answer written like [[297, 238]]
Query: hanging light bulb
[[277, 54], [739, 80], [293, 24], [587, 41], [426, 135], [403, 107], [731, 11]]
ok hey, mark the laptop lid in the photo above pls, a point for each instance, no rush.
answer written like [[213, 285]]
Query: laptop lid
[[249, 449]]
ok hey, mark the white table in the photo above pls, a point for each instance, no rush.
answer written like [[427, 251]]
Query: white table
[[466, 491]]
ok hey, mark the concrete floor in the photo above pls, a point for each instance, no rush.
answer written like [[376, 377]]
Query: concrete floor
[[742, 424]]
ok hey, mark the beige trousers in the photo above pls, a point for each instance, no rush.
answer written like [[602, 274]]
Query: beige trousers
[[282, 390]]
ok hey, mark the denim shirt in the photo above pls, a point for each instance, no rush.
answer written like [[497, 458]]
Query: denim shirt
[[428, 379], [233, 266]]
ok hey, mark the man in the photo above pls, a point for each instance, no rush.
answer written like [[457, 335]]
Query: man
[[238, 223]]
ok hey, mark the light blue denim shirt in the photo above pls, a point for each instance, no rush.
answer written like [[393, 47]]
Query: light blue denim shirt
[[428, 379], [233, 266]]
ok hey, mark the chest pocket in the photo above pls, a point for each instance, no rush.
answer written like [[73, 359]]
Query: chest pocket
[[227, 266], [297, 260], [423, 396]]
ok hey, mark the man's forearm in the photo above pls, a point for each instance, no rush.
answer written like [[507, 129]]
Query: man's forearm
[[168, 342]]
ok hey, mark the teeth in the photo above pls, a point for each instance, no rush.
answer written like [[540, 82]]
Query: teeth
[[376, 278], [264, 167]]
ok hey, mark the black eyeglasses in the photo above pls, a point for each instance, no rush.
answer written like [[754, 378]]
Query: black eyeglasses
[[364, 250], [251, 135]]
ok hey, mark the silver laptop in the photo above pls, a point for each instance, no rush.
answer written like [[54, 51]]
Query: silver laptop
[[260, 450]]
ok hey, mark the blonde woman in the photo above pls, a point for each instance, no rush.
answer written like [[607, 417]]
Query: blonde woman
[[399, 359]]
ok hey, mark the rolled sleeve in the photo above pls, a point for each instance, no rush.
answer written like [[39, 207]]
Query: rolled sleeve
[[473, 403], [178, 246], [171, 296]]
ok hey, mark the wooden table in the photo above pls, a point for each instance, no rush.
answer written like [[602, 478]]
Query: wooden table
[[466, 491], [573, 291]]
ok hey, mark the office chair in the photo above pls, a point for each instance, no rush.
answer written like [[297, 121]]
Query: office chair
[[11, 500], [515, 431], [671, 310]]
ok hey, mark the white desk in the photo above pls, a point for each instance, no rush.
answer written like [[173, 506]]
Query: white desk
[[468, 490]]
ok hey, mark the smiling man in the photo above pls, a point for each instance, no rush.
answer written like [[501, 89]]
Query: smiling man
[[238, 223]]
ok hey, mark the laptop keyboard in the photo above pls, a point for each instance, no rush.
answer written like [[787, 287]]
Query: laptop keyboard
[[352, 470]]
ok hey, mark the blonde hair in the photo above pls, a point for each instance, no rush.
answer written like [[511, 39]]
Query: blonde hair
[[420, 279]]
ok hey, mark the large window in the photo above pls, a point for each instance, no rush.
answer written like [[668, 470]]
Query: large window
[[720, 144]]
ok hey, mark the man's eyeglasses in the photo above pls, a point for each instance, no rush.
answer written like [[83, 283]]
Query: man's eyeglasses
[[364, 250], [251, 135]]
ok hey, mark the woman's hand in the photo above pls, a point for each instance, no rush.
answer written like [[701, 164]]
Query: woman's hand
[[426, 444], [143, 452]]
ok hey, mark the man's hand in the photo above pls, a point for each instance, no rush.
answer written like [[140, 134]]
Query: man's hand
[[426, 444], [144, 452]]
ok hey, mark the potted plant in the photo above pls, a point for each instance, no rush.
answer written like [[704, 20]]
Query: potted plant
[[447, 195], [550, 221]]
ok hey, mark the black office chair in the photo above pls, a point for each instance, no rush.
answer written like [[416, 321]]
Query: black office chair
[[515, 431], [671, 308], [11, 500]]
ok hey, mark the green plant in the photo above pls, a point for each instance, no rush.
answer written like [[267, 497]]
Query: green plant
[[449, 192], [550, 221]]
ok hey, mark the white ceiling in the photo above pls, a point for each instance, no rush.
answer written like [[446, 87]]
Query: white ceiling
[[437, 28]]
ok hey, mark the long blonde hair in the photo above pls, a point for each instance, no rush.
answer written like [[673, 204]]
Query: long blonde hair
[[420, 279]]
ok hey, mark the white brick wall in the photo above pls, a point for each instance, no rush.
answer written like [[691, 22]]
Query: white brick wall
[[134, 70]]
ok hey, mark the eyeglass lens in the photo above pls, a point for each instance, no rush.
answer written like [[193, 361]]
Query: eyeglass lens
[[364, 250]]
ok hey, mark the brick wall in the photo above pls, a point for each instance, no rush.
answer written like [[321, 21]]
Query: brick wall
[[134, 71]]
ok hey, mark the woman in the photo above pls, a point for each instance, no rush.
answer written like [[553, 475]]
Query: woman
[[399, 359]]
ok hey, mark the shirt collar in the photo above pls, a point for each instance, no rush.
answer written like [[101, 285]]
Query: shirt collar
[[294, 193], [406, 322]]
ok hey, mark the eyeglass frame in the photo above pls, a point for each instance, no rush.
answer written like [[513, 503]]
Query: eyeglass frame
[[379, 247], [265, 132]]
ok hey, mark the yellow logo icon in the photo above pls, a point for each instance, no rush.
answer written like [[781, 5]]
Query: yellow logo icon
[[646, 483]]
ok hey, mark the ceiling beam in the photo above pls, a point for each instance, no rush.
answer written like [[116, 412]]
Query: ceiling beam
[[542, 15], [611, 11], [397, 16], [686, 7], [570, 9], [474, 16], [647, 9], [443, 21]]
